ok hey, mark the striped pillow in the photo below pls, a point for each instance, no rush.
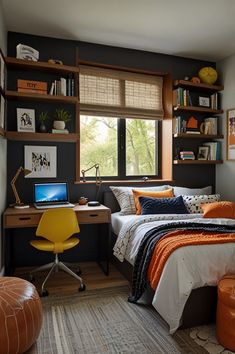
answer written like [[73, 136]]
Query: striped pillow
[[125, 197]]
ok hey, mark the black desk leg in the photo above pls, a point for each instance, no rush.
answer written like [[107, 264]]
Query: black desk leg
[[104, 240]]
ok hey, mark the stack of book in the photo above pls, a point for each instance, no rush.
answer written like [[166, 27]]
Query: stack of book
[[215, 98], [29, 86], [187, 155], [179, 125], [181, 97], [214, 150], [63, 87]]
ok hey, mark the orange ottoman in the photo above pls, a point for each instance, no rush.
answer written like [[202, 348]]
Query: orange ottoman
[[225, 317], [20, 315]]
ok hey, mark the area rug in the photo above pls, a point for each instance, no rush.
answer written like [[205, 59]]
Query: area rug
[[102, 321], [205, 337]]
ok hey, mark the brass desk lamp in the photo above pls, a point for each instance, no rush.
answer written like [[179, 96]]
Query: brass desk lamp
[[18, 204], [98, 182]]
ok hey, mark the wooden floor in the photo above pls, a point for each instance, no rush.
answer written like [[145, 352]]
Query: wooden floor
[[62, 283]]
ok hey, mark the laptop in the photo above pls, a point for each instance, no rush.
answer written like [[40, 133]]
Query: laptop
[[51, 195]]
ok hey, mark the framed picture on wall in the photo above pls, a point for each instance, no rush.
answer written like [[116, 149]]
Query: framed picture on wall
[[2, 71], [25, 120], [230, 155], [2, 112], [41, 160]]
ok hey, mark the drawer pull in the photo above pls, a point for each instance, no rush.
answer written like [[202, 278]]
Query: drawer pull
[[93, 215], [25, 218]]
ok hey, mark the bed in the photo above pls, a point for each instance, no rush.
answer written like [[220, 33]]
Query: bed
[[186, 292]]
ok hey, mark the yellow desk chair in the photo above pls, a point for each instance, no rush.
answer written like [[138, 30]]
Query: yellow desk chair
[[57, 226]]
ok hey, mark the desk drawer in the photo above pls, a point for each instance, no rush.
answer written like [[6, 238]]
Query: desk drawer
[[93, 217], [15, 221]]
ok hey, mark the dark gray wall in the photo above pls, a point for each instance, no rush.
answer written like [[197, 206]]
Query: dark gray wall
[[194, 176]]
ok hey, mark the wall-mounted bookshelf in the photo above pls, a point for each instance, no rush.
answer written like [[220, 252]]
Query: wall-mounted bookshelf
[[24, 136], [15, 95], [197, 162]]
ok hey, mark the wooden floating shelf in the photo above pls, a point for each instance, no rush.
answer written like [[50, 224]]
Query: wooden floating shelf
[[15, 95], [197, 162], [25, 136], [199, 87], [39, 65], [2, 132], [198, 109], [197, 136]]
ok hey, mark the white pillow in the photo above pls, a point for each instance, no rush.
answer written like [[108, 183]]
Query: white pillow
[[193, 202], [191, 191], [124, 196]]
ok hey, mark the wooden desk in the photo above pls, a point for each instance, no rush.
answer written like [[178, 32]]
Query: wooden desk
[[30, 217]]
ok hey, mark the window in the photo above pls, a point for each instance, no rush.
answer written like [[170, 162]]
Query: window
[[119, 122]]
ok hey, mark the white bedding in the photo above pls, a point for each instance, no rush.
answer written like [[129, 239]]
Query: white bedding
[[186, 269]]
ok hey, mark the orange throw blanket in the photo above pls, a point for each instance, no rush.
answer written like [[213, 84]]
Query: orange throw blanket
[[179, 238]]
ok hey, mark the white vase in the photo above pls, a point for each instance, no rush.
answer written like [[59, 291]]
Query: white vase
[[58, 124]]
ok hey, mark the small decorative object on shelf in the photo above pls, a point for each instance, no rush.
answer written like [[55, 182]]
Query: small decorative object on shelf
[[61, 118], [55, 61], [25, 120], [29, 86], [204, 101], [208, 75], [43, 116], [203, 152], [26, 52], [192, 126], [195, 80]]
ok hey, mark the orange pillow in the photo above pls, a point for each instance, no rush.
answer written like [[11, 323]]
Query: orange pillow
[[219, 210], [168, 193]]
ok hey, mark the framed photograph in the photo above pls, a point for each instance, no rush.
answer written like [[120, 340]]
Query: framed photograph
[[25, 120], [203, 152], [204, 101], [2, 71], [230, 155], [41, 160], [2, 112]]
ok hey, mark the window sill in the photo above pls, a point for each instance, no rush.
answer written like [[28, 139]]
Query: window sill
[[130, 181]]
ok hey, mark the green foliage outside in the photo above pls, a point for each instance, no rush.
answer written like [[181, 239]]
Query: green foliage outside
[[98, 144]]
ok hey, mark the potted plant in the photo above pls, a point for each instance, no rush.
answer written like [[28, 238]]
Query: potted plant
[[61, 118], [43, 116]]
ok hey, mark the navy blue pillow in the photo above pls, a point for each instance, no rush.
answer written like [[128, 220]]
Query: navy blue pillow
[[162, 205]]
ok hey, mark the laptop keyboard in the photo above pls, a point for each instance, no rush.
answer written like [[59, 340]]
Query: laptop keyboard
[[54, 203]]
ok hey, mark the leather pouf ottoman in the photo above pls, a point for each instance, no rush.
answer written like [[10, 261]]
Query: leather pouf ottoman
[[20, 315], [225, 317]]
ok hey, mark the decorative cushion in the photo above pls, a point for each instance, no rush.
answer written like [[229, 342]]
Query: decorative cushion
[[193, 202], [168, 193], [162, 205], [125, 197], [223, 209], [191, 191]]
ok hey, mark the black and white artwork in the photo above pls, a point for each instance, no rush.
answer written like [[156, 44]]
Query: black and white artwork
[[41, 161], [25, 120]]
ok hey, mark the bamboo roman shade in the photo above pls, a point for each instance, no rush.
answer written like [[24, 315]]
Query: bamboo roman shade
[[120, 93]]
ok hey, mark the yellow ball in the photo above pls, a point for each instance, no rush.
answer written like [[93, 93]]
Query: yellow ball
[[208, 75]]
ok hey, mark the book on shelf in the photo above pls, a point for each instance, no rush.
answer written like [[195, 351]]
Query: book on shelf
[[63, 86], [179, 125], [214, 150], [60, 131], [181, 97], [192, 131], [187, 155]]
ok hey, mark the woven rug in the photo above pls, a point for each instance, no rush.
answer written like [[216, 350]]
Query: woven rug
[[102, 321]]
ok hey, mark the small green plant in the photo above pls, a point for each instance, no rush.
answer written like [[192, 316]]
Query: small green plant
[[43, 116], [62, 115]]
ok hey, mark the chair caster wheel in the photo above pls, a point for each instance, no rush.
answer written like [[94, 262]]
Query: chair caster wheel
[[78, 271], [44, 293], [82, 287]]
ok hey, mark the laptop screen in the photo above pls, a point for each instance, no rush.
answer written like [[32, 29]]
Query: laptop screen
[[50, 192]]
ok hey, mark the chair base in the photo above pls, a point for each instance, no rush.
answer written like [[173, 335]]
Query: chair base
[[56, 266]]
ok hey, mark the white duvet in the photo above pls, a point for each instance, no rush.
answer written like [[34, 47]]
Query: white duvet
[[186, 269]]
